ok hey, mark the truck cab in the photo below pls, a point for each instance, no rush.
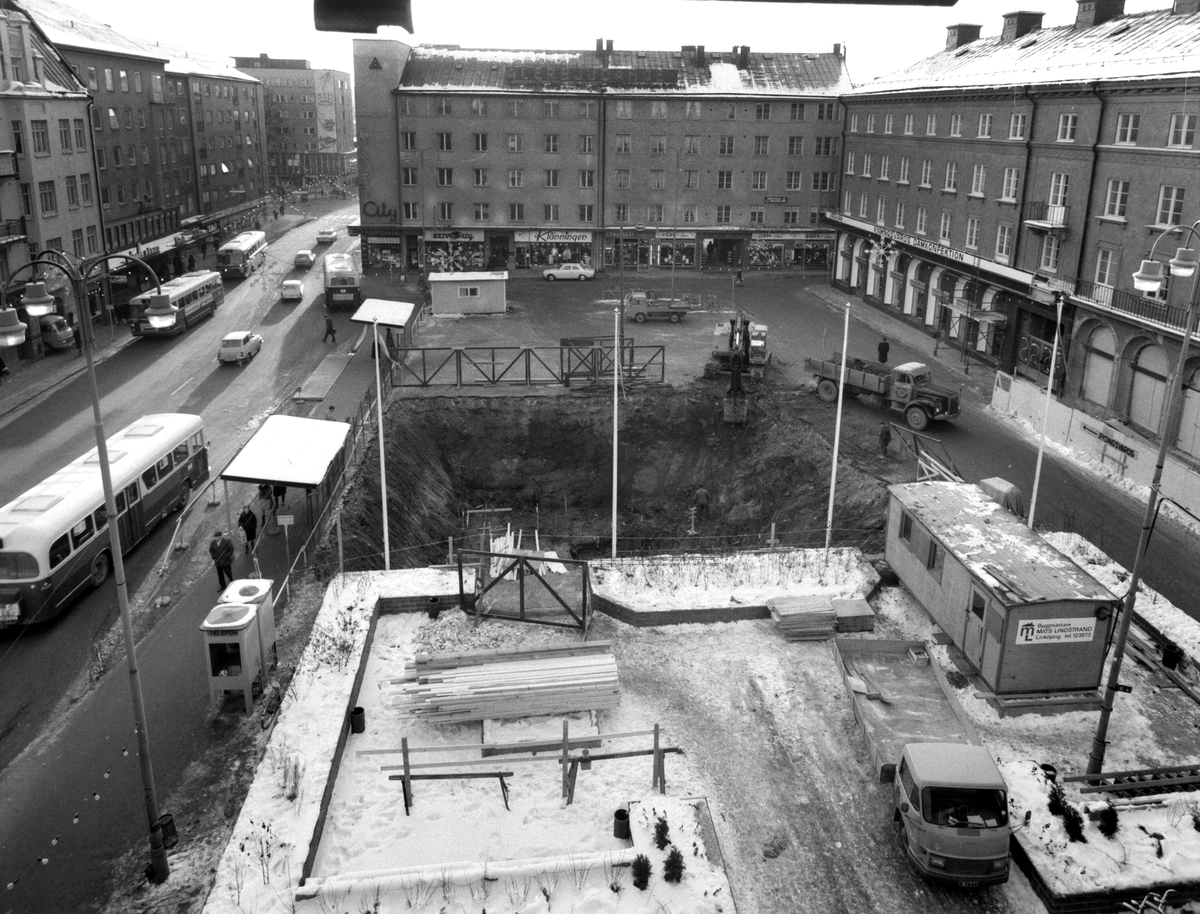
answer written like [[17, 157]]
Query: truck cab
[[951, 803]]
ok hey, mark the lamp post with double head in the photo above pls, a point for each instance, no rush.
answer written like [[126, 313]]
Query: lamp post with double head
[[1149, 278], [36, 303], [1057, 298]]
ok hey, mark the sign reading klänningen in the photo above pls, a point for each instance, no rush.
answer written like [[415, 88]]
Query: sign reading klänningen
[[1048, 631]]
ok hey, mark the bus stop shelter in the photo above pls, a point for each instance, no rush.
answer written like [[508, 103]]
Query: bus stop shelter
[[297, 453], [398, 316]]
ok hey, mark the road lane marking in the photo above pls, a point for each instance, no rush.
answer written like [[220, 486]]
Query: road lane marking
[[182, 386]]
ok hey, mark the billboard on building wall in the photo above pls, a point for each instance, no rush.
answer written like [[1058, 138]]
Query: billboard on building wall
[[327, 140]]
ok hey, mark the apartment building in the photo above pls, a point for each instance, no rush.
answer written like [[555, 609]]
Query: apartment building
[[985, 185], [477, 159], [309, 120]]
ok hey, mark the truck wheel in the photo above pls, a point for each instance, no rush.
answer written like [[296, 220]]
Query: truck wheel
[[917, 418], [640, 317], [827, 390], [673, 318]]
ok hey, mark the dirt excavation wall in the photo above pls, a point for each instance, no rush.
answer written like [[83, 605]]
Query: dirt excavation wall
[[548, 458]]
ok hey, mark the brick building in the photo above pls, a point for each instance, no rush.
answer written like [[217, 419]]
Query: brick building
[[511, 159]]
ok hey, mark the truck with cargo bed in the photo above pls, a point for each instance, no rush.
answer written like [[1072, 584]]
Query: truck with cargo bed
[[907, 389], [641, 306]]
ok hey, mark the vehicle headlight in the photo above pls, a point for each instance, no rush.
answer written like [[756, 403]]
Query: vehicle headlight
[[937, 861], [1000, 864]]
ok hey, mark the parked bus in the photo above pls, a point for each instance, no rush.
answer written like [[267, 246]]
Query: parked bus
[[54, 539], [343, 281], [242, 254], [193, 296]]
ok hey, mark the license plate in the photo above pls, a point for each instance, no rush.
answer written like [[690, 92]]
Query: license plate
[[969, 883]]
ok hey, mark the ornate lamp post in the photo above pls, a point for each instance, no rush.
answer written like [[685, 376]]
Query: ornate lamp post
[[1148, 279], [36, 303]]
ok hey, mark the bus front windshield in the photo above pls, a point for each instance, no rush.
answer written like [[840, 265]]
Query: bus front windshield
[[965, 808]]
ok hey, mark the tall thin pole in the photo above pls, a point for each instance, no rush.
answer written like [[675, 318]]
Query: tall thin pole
[[616, 427], [675, 229], [1037, 473], [1100, 740], [837, 429], [159, 868], [387, 551]]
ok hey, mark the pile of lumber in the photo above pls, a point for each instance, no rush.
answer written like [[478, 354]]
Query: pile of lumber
[[526, 682], [806, 618]]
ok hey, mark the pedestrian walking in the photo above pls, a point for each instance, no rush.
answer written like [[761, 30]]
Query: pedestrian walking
[[221, 550], [739, 277], [77, 332], [203, 249], [701, 500], [885, 438], [278, 496], [248, 521], [389, 341], [330, 330], [191, 263], [884, 348]]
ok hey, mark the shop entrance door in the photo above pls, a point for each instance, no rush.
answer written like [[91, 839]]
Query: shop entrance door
[[498, 255]]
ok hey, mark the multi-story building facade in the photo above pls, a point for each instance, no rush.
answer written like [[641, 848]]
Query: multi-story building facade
[[988, 183], [47, 192], [512, 159], [309, 120]]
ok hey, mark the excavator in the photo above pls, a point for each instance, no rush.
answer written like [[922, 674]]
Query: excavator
[[740, 348]]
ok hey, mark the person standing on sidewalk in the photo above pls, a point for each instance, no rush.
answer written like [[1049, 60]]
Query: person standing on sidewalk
[[885, 438], [221, 550], [248, 521], [884, 348], [191, 263], [330, 330]]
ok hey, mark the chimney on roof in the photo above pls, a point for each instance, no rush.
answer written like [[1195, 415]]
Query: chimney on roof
[[741, 56], [1018, 25], [837, 50], [608, 47], [1185, 7], [958, 35], [1097, 12], [602, 53], [700, 59]]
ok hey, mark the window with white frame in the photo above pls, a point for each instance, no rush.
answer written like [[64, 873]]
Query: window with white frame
[[951, 177], [1106, 267], [797, 111], [888, 120], [758, 215], [587, 109], [723, 214], [762, 111], [658, 110], [481, 177], [1008, 190], [446, 212], [945, 227], [1127, 129], [862, 206], [795, 146], [870, 123], [822, 181], [725, 146], [408, 177], [762, 145], [956, 125], [866, 169], [791, 215], [658, 179], [881, 211], [412, 211], [1116, 198], [516, 142], [1051, 249], [587, 178], [927, 172], [480, 211], [885, 167], [794, 180], [985, 127], [904, 169], [847, 202], [972, 240], [1068, 123], [481, 143], [1004, 241], [908, 124], [624, 144], [850, 162], [516, 177], [622, 213], [1016, 126], [978, 180], [654, 212], [900, 213], [758, 180], [551, 177], [688, 212], [691, 111], [1060, 183], [1183, 130], [691, 145], [1170, 205], [550, 212], [854, 123], [691, 179], [624, 109], [724, 180], [931, 125], [550, 143], [922, 220], [658, 145], [445, 177]]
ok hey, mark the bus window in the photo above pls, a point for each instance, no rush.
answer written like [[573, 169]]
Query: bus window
[[59, 550], [180, 454], [164, 466], [100, 517], [17, 565], [150, 478], [81, 532], [132, 494], [197, 444]]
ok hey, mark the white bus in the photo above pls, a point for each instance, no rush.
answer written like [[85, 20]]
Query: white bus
[[242, 254], [343, 281], [193, 296], [54, 539]]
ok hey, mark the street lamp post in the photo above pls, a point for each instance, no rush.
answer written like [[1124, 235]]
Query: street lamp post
[[37, 303], [1148, 279], [1037, 473]]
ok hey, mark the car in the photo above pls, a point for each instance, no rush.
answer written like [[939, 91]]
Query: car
[[292, 290], [239, 346], [569, 271], [327, 236], [56, 332], [304, 259]]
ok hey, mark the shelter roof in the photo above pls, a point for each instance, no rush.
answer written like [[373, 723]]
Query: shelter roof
[[289, 451], [634, 72], [387, 313], [1139, 46], [1000, 550]]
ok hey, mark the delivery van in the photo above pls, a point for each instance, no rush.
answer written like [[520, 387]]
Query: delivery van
[[56, 332]]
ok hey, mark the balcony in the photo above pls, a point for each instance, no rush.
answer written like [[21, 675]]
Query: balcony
[[12, 231], [1147, 310], [1047, 217]]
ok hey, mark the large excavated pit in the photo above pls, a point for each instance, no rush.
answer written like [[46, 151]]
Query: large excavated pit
[[546, 460]]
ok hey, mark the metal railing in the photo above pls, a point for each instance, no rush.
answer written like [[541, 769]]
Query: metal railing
[[527, 366], [1148, 309], [1050, 213]]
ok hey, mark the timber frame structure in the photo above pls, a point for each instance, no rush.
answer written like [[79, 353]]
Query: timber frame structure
[[520, 564]]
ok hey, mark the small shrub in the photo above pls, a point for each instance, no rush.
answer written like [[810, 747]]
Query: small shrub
[[1196, 821], [662, 833], [641, 871], [1109, 822], [1057, 801], [1073, 823], [673, 867]]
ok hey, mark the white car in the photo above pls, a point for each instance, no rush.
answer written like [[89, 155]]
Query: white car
[[292, 290], [304, 259], [569, 271], [327, 236], [239, 347]]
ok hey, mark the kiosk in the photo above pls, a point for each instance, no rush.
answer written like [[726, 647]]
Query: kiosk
[[231, 651], [256, 592]]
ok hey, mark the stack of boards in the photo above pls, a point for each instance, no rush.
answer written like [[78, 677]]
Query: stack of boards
[[803, 618], [526, 682]]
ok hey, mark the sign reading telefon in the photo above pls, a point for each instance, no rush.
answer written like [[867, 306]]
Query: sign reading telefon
[[1049, 631]]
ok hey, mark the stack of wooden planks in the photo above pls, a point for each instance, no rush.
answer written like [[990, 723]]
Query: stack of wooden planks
[[805, 618], [525, 682]]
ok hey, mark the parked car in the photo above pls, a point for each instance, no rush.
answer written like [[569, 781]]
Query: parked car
[[304, 259], [56, 332], [239, 347], [292, 290], [569, 271], [327, 236]]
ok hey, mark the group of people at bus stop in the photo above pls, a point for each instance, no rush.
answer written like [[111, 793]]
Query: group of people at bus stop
[[222, 549]]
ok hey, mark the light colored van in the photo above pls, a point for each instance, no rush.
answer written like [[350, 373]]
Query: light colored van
[[56, 332]]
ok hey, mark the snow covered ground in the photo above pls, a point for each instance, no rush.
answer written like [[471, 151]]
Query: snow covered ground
[[462, 851]]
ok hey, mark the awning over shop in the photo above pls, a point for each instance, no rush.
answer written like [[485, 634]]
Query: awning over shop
[[289, 451]]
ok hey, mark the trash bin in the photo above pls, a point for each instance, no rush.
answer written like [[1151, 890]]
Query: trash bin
[[1050, 772], [1172, 654], [621, 824], [358, 721], [433, 607], [170, 837]]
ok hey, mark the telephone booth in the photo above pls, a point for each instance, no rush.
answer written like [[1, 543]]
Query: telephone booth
[[256, 592], [231, 651]]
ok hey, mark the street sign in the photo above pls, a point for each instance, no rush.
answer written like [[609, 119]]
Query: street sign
[[1123, 688], [641, 226], [285, 520]]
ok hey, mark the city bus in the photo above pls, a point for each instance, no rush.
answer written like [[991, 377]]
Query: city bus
[[54, 539], [242, 254], [343, 281], [193, 296]]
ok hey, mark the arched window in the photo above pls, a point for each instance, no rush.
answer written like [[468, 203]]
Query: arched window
[[1098, 355], [1149, 388], [1188, 439]]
